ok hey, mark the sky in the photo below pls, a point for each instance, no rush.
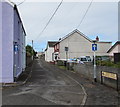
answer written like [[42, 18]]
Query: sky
[[101, 20]]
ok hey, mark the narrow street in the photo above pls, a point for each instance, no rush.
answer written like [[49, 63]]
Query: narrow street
[[59, 53], [50, 85], [46, 86]]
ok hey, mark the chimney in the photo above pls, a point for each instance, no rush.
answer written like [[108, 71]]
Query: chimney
[[59, 39], [97, 38]]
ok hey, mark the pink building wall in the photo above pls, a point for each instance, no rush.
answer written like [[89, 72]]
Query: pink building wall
[[115, 50]]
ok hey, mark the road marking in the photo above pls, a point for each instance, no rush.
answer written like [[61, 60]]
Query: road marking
[[84, 91], [53, 85], [42, 75], [68, 92], [85, 94]]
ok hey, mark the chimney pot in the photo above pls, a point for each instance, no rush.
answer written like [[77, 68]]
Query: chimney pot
[[97, 38]]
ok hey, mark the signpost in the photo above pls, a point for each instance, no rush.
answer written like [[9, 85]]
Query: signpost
[[94, 48], [15, 48], [66, 50], [110, 75]]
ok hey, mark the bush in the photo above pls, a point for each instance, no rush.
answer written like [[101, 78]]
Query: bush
[[108, 63], [117, 65], [60, 63]]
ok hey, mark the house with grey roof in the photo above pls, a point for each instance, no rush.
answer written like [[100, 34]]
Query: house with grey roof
[[114, 52], [114, 49], [78, 44]]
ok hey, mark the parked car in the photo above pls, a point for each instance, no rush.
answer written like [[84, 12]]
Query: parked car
[[72, 60], [103, 58], [84, 59], [89, 59]]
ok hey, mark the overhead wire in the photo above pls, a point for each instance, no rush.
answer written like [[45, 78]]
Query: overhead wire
[[85, 14], [11, 2], [15, 3], [49, 20], [21, 3]]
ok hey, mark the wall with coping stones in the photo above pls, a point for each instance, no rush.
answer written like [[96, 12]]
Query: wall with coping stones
[[87, 71]]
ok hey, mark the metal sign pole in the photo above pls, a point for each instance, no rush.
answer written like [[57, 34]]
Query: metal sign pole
[[94, 48], [95, 67]]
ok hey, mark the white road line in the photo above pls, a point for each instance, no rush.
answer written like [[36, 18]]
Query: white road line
[[68, 92], [85, 94], [52, 85]]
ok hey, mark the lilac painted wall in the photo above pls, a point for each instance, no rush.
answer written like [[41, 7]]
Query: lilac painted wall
[[7, 42], [12, 33], [0, 41], [18, 37]]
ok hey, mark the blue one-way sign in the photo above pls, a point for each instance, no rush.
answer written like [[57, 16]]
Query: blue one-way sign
[[16, 48], [94, 47]]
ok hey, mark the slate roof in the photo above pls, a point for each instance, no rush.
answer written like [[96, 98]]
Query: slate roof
[[118, 42], [51, 43], [77, 31]]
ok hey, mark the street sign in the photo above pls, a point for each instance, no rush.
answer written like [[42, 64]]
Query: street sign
[[94, 47], [110, 75], [66, 48], [16, 48]]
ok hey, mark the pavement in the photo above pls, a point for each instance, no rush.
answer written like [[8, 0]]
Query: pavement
[[22, 79], [49, 85]]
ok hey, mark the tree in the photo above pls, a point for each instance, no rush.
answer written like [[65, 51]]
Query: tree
[[30, 51]]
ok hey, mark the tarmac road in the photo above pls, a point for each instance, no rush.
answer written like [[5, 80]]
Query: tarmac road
[[47, 86], [50, 85]]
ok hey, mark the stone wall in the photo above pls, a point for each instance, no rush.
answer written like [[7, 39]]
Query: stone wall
[[87, 71], [28, 60]]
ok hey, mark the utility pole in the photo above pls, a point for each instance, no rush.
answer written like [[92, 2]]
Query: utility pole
[[32, 50]]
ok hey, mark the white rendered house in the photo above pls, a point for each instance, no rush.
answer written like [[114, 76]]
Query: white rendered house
[[49, 51]]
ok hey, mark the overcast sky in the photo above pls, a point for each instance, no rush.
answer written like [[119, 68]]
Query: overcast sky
[[101, 20]]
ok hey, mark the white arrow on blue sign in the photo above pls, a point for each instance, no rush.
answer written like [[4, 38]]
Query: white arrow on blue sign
[[16, 48], [94, 47]]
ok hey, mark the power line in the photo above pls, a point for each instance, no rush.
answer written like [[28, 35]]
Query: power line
[[11, 2], [50, 19], [21, 3], [15, 3], [85, 14]]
